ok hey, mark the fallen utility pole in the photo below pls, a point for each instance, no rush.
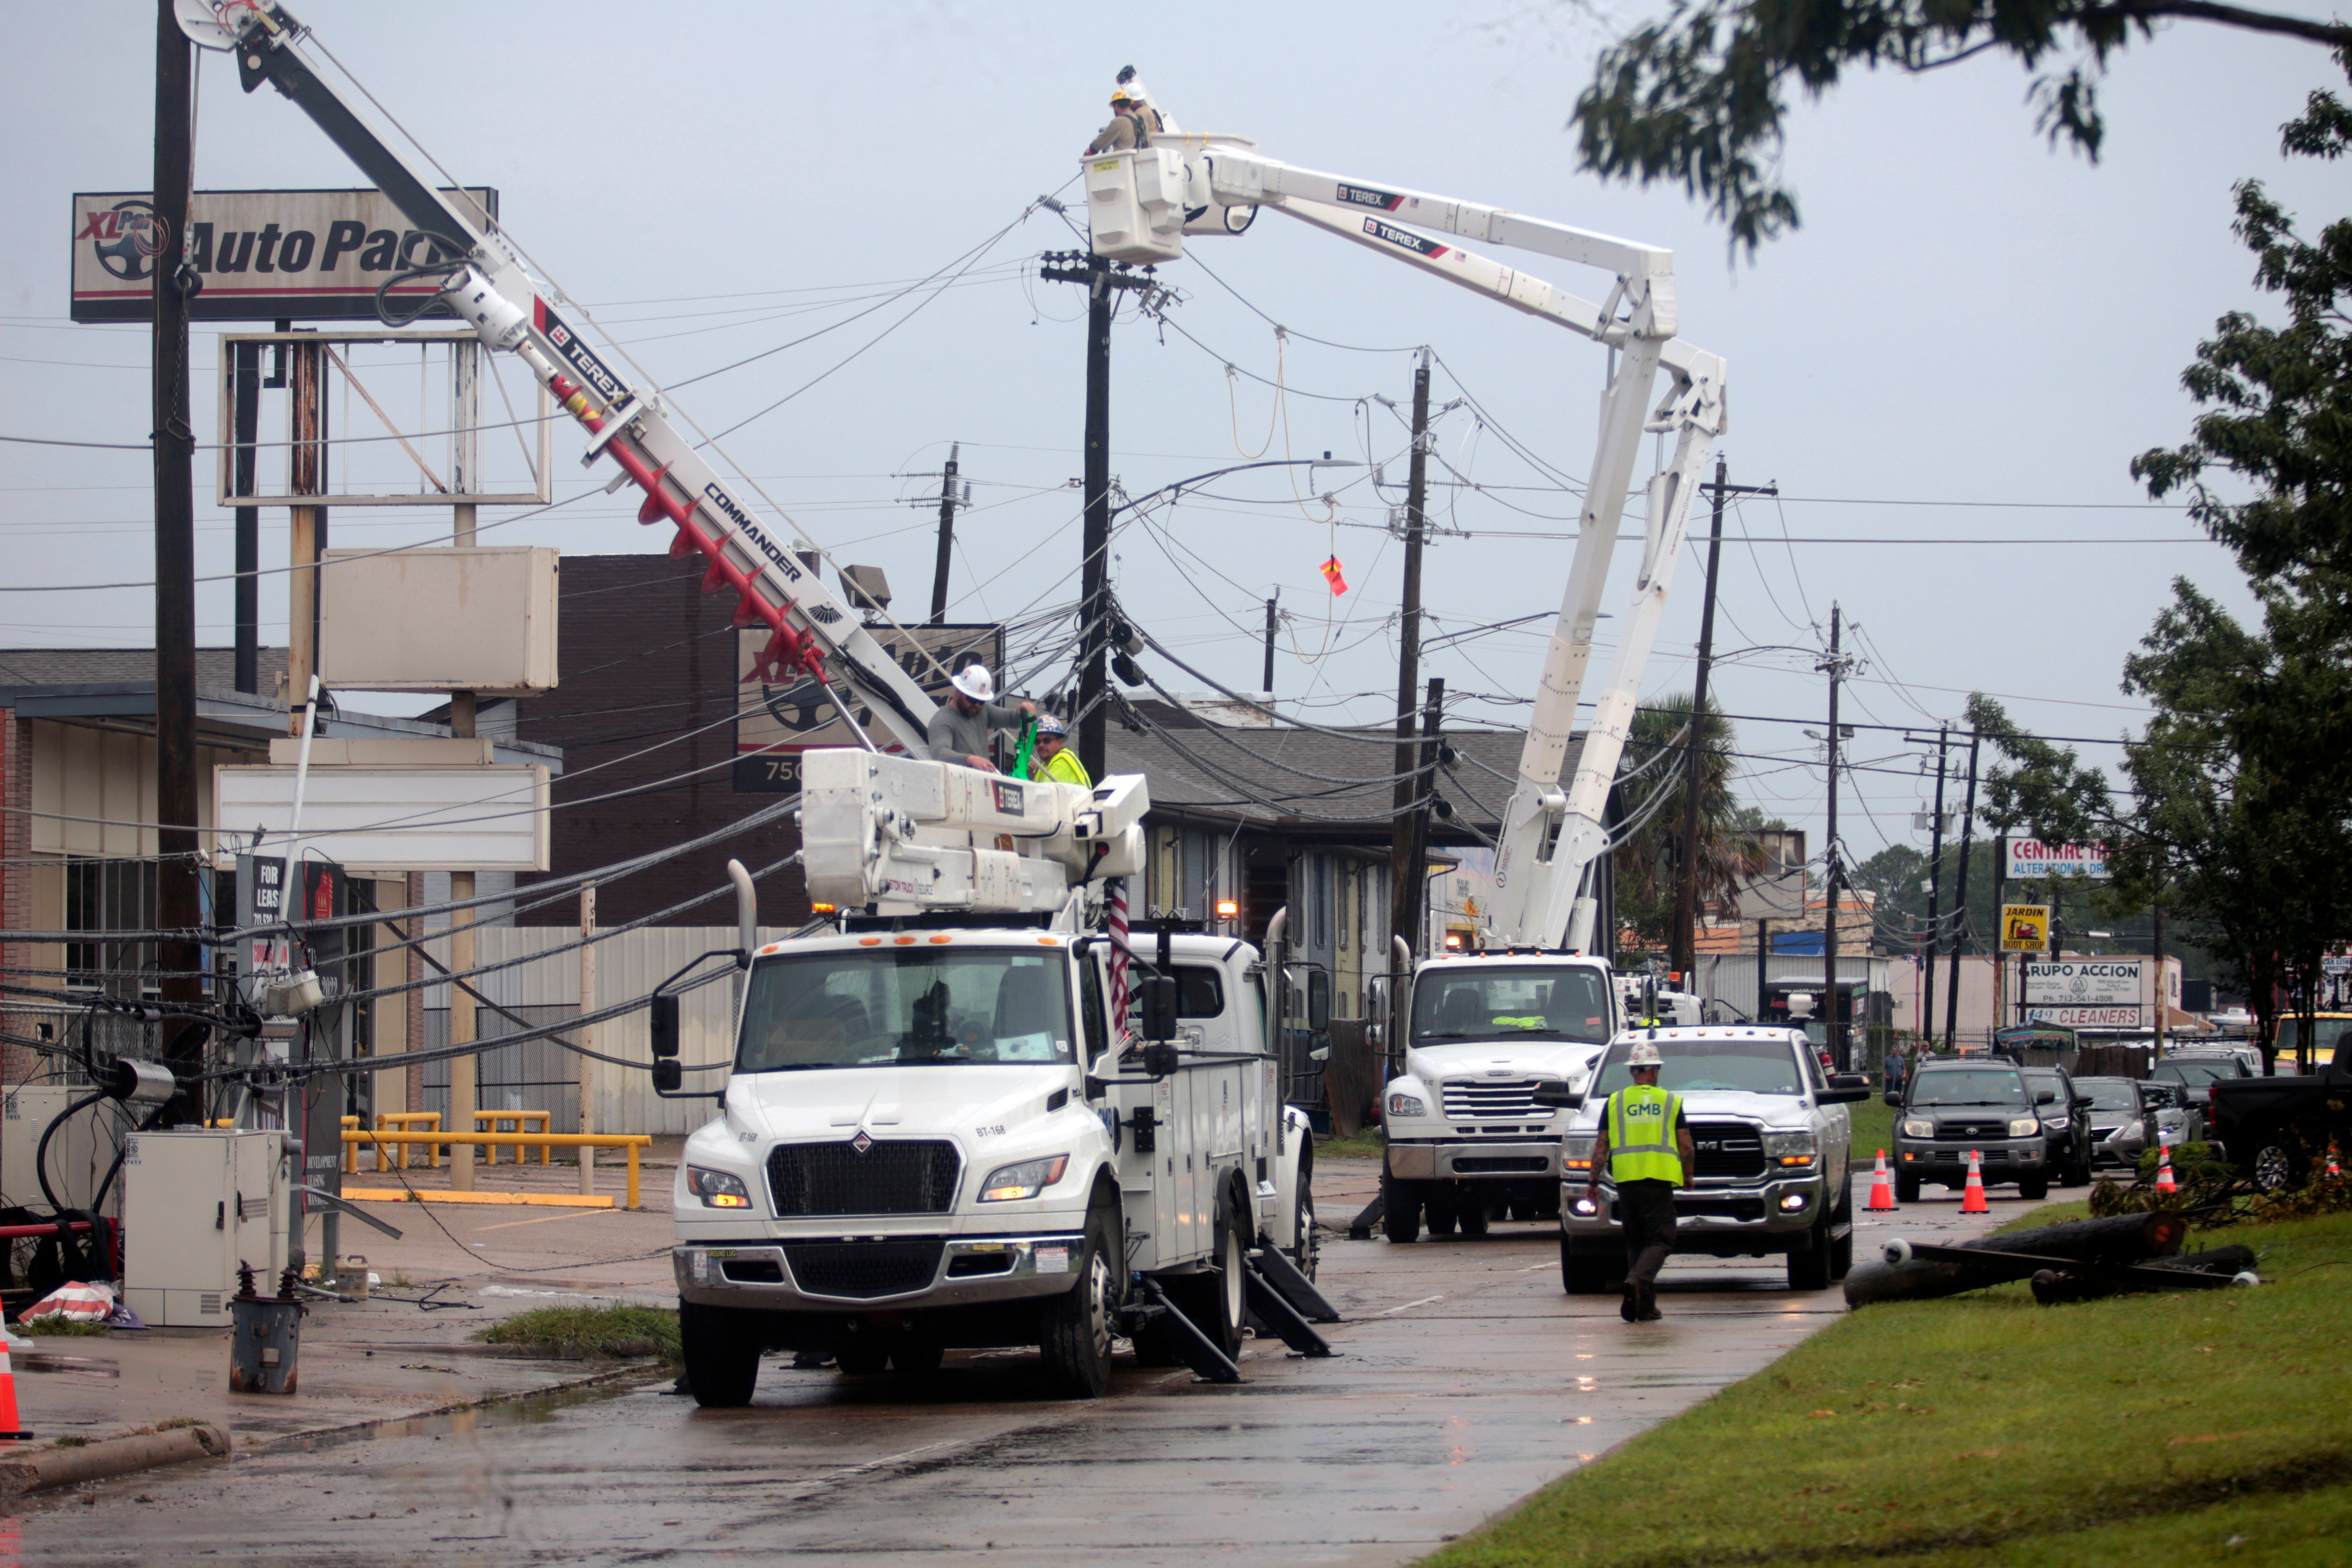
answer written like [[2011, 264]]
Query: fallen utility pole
[[1949, 1270], [179, 906], [1407, 839], [1104, 280], [1684, 957]]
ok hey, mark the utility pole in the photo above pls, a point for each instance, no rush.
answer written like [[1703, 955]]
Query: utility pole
[[1685, 956], [245, 373], [1104, 278], [947, 527], [1835, 665], [179, 906], [464, 1020], [1935, 886], [1416, 820], [1272, 620], [1408, 852], [1960, 900]]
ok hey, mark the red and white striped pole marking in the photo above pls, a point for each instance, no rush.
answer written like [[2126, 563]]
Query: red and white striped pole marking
[[1116, 889]]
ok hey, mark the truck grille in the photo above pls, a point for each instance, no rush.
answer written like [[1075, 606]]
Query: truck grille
[[1501, 1164], [893, 1176], [862, 1270], [1699, 1207], [1490, 1097], [1731, 1149], [1987, 1131]]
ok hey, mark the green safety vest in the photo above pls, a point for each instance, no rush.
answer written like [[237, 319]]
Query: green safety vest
[[1640, 1124]]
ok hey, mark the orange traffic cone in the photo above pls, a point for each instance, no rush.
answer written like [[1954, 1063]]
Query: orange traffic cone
[[1881, 1190], [2333, 1173], [2164, 1183], [8, 1432], [1972, 1201]]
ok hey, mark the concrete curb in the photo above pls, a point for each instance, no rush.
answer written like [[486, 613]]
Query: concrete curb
[[45, 1468]]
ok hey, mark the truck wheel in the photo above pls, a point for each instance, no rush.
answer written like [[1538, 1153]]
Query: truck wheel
[[2033, 1188], [1810, 1269], [2279, 1164], [1076, 1338], [1841, 1250], [721, 1350], [1306, 1242], [1473, 1217], [916, 1361], [1400, 1209], [1582, 1274], [1440, 1212], [1214, 1301], [1906, 1188]]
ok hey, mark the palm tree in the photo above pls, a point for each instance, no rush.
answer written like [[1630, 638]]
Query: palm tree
[[1647, 860]]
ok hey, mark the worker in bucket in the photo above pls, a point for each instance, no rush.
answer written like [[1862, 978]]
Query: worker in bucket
[[960, 731], [1133, 120], [1645, 1146], [1053, 761]]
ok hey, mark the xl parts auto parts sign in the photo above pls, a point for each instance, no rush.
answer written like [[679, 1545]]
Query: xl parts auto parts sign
[[261, 256]]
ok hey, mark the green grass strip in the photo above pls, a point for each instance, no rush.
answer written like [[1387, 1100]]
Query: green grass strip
[[618, 1332], [1986, 1428]]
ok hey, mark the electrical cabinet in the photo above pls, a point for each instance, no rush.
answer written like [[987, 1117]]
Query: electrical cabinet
[[195, 1203], [78, 1154]]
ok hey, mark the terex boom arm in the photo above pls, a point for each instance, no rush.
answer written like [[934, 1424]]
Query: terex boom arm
[[813, 633], [1140, 205]]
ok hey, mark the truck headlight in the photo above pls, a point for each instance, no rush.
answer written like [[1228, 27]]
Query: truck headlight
[[2024, 1126], [717, 1188], [1025, 1179], [1918, 1129], [1791, 1151], [1575, 1154], [1406, 1105]]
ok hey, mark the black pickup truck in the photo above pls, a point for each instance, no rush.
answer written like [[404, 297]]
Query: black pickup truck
[[2274, 1127]]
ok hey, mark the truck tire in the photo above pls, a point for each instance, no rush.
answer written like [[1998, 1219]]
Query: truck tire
[[1906, 1188], [916, 1361], [1471, 1216], [1305, 1247], [2279, 1163], [1810, 1269], [863, 1361], [1215, 1301], [2033, 1188], [1077, 1322], [1582, 1273], [720, 1346], [1439, 1211], [1841, 1250], [1400, 1209]]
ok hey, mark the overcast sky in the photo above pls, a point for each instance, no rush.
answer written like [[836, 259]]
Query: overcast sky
[[1950, 365]]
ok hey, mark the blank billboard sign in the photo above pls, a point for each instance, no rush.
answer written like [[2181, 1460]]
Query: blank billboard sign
[[393, 819]]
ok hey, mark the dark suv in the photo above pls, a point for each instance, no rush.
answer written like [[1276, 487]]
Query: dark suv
[[1950, 1108], [2065, 1121]]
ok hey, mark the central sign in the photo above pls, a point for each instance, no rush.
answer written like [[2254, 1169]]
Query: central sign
[[2028, 858]]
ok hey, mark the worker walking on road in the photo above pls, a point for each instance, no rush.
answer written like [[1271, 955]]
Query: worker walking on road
[[1053, 760], [958, 732], [1645, 1146]]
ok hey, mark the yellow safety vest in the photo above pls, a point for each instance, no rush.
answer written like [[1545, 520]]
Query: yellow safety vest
[[1640, 1124]]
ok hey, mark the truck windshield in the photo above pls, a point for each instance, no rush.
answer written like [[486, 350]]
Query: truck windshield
[[2326, 1034], [1752, 1066], [2195, 1076], [1970, 1085], [857, 1009], [1481, 1003]]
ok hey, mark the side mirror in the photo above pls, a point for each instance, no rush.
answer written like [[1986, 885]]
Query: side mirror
[[2081, 1102], [1851, 1080], [1558, 1095], [2045, 1096], [662, 1020], [1158, 997], [1894, 1098], [668, 1076], [1318, 1000], [1162, 1058], [1321, 1054], [1844, 1088], [1376, 1035]]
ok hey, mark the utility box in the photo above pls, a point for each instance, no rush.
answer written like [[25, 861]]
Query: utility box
[[79, 1153], [195, 1203], [458, 618], [1135, 205]]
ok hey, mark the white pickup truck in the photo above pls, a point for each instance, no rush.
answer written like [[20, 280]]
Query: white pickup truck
[[928, 1141], [1466, 1139], [1774, 1145]]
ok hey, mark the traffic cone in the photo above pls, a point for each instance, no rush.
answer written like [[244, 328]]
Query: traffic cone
[[1972, 1201], [8, 1428], [2333, 1173], [1881, 1189], [2164, 1183]]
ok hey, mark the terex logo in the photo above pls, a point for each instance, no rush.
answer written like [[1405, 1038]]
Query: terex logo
[[752, 533], [1404, 239], [1363, 196]]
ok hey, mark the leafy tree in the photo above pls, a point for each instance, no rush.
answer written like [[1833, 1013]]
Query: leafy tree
[[1699, 97], [1647, 860]]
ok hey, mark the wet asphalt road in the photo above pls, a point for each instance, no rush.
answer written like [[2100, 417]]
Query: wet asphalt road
[[1466, 1380]]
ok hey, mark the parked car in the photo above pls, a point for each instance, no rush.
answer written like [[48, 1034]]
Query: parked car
[[1951, 1109], [2196, 1075], [2244, 1052], [2119, 1121], [2066, 1123], [2180, 1118]]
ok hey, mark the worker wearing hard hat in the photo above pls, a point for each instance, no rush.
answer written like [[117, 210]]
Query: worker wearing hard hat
[[1645, 1146], [958, 732], [1053, 760], [1134, 120]]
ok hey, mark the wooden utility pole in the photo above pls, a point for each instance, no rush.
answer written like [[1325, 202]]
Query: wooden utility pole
[[946, 531], [464, 1022], [1934, 887], [586, 1035], [1960, 901], [179, 906], [1408, 859], [1839, 1052]]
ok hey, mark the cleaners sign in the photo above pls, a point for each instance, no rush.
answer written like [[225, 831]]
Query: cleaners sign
[[309, 256], [2032, 858]]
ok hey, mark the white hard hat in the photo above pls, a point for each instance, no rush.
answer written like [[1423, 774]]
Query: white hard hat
[[1645, 1055], [974, 681]]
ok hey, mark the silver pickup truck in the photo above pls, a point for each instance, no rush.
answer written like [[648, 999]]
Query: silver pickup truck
[[1773, 1145]]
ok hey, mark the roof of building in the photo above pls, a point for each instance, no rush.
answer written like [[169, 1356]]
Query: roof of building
[[216, 666], [1336, 780]]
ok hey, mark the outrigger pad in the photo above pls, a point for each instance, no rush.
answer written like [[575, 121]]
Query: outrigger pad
[[1297, 1288], [1183, 1336], [1274, 1310]]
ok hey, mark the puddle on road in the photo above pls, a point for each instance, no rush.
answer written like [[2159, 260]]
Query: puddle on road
[[531, 1410]]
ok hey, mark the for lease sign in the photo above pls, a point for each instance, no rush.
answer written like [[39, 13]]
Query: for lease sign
[[2033, 857]]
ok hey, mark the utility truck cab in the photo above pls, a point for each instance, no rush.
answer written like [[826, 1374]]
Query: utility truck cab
[[1466, 1140], [929, 1140]]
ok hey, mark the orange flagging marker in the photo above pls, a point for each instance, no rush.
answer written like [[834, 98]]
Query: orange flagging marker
[[1331, 575]]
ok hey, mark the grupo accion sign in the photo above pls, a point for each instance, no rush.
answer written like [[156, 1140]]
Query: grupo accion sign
[[262, 256], [2033, 857]]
